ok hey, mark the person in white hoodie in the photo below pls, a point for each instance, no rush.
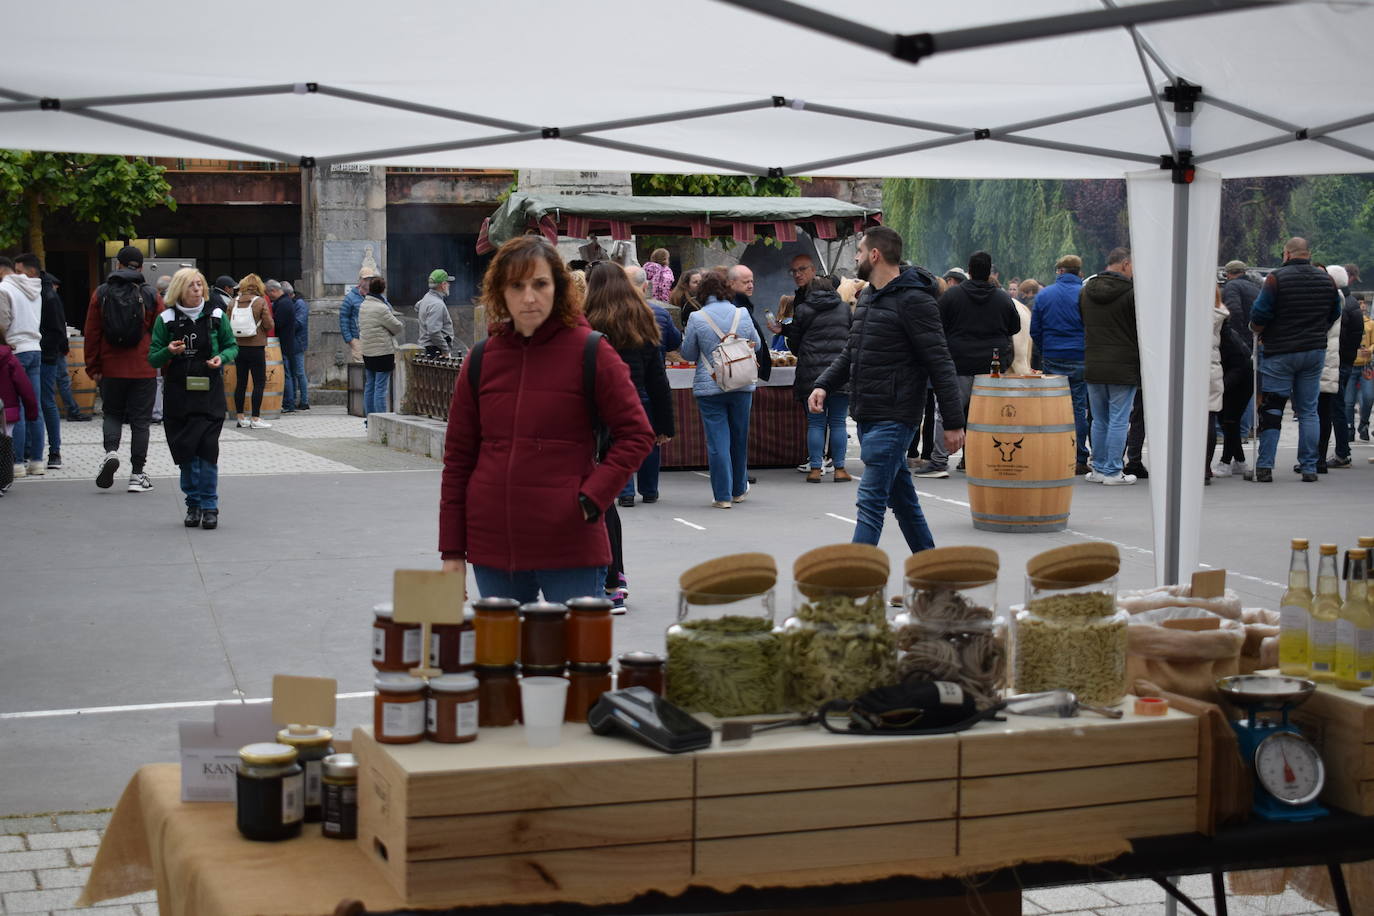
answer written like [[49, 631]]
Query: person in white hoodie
[[21, 309]]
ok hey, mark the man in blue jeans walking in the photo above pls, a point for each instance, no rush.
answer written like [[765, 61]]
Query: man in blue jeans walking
[[896, 347], [1057, 329], [1292, 314]]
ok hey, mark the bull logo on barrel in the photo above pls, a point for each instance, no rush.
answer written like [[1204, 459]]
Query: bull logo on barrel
[[1008, 449]]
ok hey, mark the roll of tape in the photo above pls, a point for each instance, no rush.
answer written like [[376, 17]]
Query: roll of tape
[[1151, 706]]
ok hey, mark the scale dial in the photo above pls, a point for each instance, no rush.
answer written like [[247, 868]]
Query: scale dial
[[1289, 768]]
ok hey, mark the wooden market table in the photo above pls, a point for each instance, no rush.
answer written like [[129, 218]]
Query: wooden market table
[[602, 821], [777, 424]]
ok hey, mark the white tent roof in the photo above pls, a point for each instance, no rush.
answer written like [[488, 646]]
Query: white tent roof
[[523, 65]]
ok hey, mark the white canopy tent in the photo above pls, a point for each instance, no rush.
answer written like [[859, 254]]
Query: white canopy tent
[[994, 89]]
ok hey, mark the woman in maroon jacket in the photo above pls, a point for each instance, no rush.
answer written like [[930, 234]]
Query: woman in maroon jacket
[[522, 495]]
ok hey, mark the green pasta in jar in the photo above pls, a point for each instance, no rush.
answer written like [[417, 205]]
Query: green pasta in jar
[[725, 666], [838, 645]]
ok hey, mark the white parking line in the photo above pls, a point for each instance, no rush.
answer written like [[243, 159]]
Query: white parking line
[[842, 518], [702, 474], [684, 521], [146, 707]]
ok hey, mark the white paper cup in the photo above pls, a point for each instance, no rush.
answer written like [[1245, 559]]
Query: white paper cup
[[542, 700]]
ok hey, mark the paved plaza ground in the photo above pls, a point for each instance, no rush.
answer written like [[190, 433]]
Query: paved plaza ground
[[116, 622]]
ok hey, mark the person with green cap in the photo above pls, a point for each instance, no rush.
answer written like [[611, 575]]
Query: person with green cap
[[436, 325]]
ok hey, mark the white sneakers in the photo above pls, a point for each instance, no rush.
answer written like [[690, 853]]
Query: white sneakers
[[255, 423], [241, 423], [37, 469], [20, 470], [105, 479], [1120, 480], [139, 483], [719, 504], [1221, 469]]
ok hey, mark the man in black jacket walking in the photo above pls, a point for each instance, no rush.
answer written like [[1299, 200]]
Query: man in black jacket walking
[[896, 346], [978, 318]]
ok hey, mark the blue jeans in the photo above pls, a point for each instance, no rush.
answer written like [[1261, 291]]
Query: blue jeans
[[295, 371], [1072, 369], [1358, 391], [524, 585], [648, 471], [200, 483], [1296, 376], [28, 432], [725, 418], [47, 401], [375, 388], [832, 418], [887, 482], [1111, 405], [288, 395]]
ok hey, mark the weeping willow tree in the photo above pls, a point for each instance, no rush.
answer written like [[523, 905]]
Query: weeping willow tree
[[1025, 224]]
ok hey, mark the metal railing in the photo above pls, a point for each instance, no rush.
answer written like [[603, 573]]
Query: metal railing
[[429, 388]]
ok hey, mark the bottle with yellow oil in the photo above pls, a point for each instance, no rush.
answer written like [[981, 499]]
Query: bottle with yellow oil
[[1355, 629], [1295, 607], [1326, 610]]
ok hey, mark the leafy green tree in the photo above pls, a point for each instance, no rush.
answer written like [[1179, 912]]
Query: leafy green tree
[[108, 191], [714, 185], [1327, 210]]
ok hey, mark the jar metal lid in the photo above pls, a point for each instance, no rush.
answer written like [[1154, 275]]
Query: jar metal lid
[[495, 670], [499, 605], [590, 604], [543, 670], [395, 682], [267, 754], [341, 766], [597, 668], [543, 610], [385, 609], [641, 660], [304, 736], [453, 683]]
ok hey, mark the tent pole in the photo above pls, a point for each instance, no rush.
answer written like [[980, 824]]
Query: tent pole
[[1076, 148], [96, 101], [1145, 46], [397, 151], [1177, 462], [804, 167], [167, 130]]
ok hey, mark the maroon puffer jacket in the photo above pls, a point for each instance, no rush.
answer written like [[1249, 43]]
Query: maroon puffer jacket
[[511, 480]]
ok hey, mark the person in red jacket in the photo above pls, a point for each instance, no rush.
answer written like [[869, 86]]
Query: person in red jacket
[[522, 495]]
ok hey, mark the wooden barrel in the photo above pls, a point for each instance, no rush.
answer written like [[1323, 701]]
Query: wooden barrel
[[83, 386], [272, 391], [1020, 453]]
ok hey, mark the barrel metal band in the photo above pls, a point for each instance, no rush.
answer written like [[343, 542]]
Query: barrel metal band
[[1029, 519], [1020, 529], [1019, 484], [1026, 392], [1018, 430], [1019, 381]]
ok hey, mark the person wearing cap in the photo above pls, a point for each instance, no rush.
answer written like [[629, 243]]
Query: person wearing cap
[[1057, 329], [284, 320], [436, 324], [222, 293], [128, 383], [1238, 295], [348, 315], [300, 334]]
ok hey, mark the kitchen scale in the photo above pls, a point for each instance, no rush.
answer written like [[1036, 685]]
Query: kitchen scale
[[1288, 771]]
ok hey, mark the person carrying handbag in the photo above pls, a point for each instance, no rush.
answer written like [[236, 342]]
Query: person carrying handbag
[[723, 385]]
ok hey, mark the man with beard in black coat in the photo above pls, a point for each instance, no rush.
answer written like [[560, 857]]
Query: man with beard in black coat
[[896, 347]]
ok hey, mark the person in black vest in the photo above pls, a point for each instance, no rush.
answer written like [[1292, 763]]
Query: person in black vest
[[192, 341], [1292, 314]]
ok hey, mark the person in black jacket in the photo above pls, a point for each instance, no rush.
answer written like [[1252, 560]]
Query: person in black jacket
[[895, 347], [741, 280], [979, 318], [1111, 366], [1238, 294], [615, 308], [817, 334]]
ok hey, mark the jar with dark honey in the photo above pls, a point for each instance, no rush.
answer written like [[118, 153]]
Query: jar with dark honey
[[543, 642], [498, 696], [395, 646], [270, 802], [589, 631], [498, 631], [641, 669], [398, 710], [312, 745], [453, 646], [586, 684], [452, 709]]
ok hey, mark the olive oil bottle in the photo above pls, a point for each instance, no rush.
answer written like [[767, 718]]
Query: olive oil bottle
[[1295, 607], [1355, 629], [1326, 610]]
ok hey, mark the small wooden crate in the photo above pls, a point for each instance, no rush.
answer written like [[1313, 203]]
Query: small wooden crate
[[809, 799], [1341, 724], [497, 821], [1058, 786]]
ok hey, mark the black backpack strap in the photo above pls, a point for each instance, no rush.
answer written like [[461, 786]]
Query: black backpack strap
[[589, 375], [474, 361]]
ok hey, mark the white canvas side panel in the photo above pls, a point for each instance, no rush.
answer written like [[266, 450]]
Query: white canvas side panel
[[1175, 350]]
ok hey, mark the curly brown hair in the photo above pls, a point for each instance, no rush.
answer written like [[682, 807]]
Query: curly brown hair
[[516, 260], [618, 310]]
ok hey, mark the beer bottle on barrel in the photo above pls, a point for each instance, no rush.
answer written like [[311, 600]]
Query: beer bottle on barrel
[[996, 363]]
